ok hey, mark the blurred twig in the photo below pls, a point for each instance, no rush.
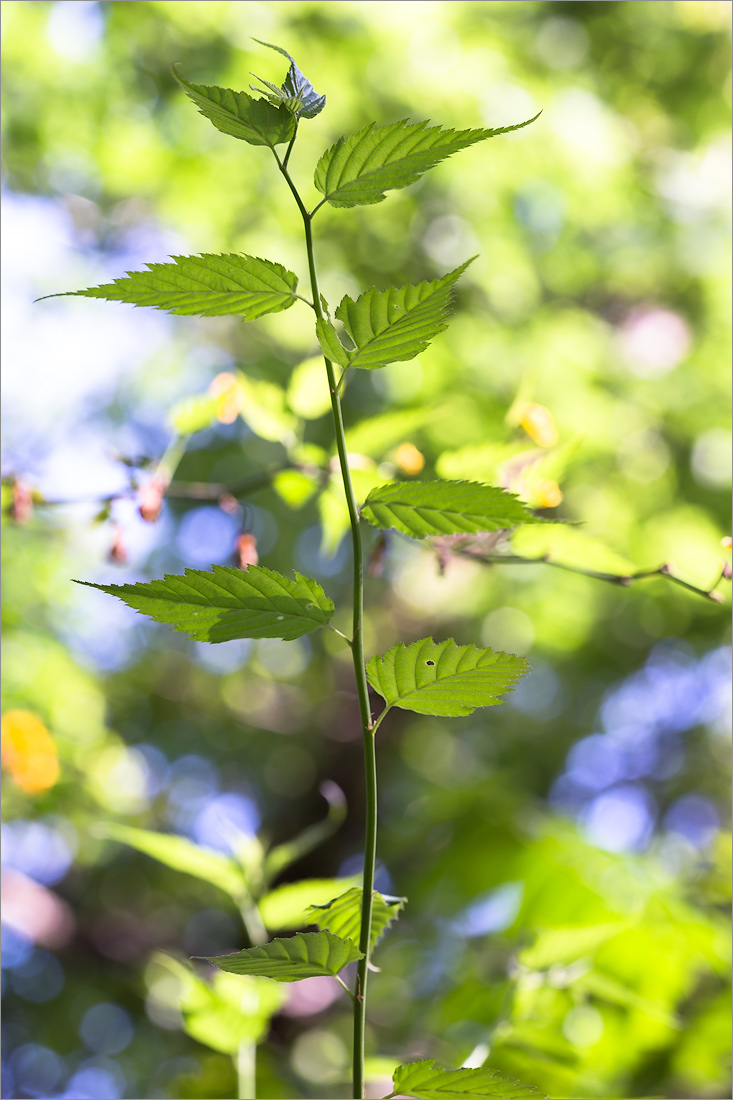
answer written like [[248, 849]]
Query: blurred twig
[[625, 580]]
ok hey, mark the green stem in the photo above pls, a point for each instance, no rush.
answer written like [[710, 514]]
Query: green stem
[[246, 1064], [362, 688]]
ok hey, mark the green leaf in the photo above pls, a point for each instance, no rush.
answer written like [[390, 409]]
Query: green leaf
[[193, 414], [288, 906], [331, 346], [181, 855], [390, 325], [297, 93], [220, 1014], [431, 1081], [358, 169], [229, 603], [443, 678], [264, 408], [204, 286], [421, 508], [235, 113], [566, 545], [375, 436], [342, 915], [306, 955]]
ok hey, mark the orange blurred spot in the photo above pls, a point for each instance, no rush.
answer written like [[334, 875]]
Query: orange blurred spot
[[28, 751], [538, 424], [117, 552], [409, 459], [21, 508], [247, 551], [228, 397], [546, 493], [727, 543], [150, 499]]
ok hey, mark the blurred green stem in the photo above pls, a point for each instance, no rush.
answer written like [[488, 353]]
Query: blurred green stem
[[246, 1062], [357, 650]]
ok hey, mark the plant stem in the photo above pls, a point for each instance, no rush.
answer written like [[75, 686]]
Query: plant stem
[[362, 688], [246, 1069]]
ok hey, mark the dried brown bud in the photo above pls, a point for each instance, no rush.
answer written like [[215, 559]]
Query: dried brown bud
[[21, 508], [117, 553], [247, 551], [150, 499], [229, 504]]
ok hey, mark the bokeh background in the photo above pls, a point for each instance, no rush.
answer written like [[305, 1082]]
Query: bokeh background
[[565, 855]]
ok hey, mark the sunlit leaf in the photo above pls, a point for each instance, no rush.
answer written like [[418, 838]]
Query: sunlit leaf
[[358, 169], [390, 325], [263, 407], [305, 955], [429, 1081], [421, 508], [377, 434], [256, 121], [443, 678], [224, 1012], [229, 603], [181, 855], [206, 286], [288, 906], [342, 915]]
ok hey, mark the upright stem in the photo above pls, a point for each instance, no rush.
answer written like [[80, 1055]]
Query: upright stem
[[246, 1069], [362, 688]]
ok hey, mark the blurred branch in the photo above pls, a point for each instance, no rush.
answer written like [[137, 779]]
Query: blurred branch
[[624, 580]]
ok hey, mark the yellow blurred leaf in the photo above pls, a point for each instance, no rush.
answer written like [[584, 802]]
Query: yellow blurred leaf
[[28, 751]]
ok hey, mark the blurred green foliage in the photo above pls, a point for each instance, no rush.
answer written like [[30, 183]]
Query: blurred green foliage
[[601, 293]]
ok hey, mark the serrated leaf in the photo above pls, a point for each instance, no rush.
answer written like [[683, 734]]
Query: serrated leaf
[[430, 1081], [331, 346], [288, 906], [306, 955], [443, 678], [229, 603], [358, 169], [297, 93], [204, 286], [256, 121], [421, 508], [342, 915], [390, 325], [181, 854], [557, 542]]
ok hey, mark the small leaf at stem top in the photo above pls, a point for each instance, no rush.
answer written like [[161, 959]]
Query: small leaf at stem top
[[296, 94]]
